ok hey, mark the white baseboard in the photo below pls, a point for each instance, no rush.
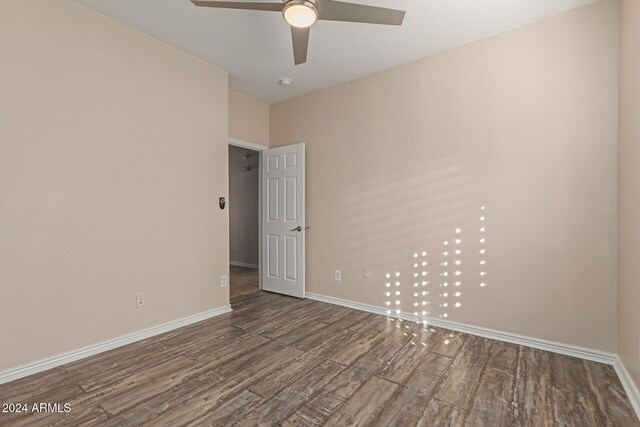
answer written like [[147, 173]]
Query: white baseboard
[[244, 264], [569, 350], [346, 303], [52, 362], [628, 384]]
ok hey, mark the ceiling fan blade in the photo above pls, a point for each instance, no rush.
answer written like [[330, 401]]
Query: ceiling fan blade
[[300, 38], [329, 10], [269, 7]]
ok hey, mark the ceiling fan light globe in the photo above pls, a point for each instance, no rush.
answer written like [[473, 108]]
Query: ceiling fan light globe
[[300, 14]]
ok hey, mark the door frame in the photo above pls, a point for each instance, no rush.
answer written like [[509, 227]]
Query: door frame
[[255, 147]]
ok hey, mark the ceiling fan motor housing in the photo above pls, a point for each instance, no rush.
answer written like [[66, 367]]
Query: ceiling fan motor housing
[[300, 13], [313, 2]]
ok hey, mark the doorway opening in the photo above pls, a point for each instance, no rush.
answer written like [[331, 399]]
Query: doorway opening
[[244, 222]]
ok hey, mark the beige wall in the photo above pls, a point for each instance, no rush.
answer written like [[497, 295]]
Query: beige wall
[[629, 191], [523, 123], [248, 119], [111, 163], [244, 182]]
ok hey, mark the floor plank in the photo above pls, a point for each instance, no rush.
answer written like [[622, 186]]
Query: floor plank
[[568, 373], [318, 410], [296, 420], [229, 412], [439, 413], [155, 407], [532, 400], [492, 400], [504, 356], [284, 404], [362, 407], [407, 407], [609, 395], [277, 380], [447, 342], [403, 363], [460, 385], [133, 389], [573, 409]]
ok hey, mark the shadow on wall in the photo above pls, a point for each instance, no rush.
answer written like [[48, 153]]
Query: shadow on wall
[[423, 225], [424, 295]]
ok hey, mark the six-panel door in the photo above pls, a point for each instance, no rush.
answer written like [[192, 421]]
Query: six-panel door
[[283, 225]]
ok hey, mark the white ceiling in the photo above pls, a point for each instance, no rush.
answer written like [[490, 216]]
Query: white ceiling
[[255, 47]]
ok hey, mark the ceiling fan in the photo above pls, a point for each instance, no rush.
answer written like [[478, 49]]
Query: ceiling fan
[[302, 14]]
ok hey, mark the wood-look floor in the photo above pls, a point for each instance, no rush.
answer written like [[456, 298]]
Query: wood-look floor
[[242, 281], [282, 361]]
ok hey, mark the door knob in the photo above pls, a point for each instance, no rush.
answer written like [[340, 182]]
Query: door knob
[[299, 228]]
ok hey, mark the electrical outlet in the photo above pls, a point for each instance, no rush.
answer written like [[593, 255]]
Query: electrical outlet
[[224, 281], [366, 272], [338, 276], [140, 301]]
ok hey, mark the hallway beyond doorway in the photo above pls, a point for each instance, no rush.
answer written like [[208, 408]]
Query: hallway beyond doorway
[[243, 281]]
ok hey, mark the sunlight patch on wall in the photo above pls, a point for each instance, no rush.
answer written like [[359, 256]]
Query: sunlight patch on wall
[[450, 268]]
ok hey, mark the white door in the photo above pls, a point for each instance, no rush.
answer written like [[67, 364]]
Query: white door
[[283, 226]]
